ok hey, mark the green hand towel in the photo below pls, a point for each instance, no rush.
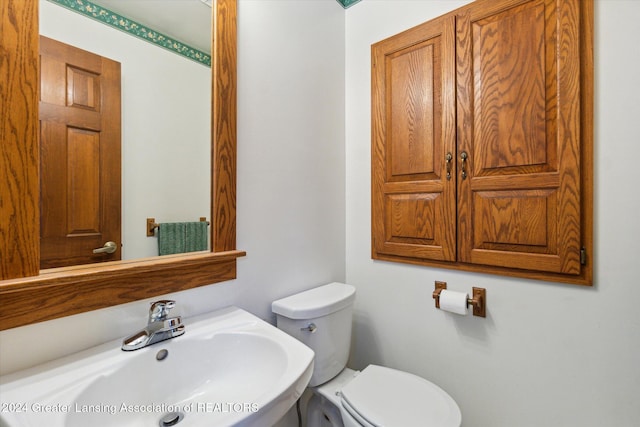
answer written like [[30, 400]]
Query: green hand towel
[[196, 236], [181, 237], [171, 238]]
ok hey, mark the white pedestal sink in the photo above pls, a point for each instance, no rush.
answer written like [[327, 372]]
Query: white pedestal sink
[[229, 369]]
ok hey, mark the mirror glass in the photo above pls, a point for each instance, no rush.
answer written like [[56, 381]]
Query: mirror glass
[[166, 105]]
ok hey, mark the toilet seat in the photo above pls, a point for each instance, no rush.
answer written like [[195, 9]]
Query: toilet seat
[[380, 397]]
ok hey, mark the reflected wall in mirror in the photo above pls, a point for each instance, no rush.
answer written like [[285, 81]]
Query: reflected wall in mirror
[[29, 295], [166, 116]]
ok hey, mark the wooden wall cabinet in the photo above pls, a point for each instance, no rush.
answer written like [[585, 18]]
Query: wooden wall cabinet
[[482, 141]]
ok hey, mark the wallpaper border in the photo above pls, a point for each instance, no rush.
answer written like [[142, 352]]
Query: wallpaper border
[[122, 23]]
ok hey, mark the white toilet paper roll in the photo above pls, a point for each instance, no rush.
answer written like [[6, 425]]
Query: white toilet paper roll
[[455, 302]]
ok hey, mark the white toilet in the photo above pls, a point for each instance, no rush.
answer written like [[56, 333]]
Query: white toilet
[[376, 396]]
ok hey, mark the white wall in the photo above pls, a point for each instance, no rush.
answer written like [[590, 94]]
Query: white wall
[[290, 180], [290, 148], [547, 354], [166, 125]]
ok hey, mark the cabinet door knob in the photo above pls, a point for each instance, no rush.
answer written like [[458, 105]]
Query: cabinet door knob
[[463, 158], [448, 158]]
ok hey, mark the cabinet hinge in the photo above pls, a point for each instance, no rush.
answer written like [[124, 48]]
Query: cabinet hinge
[[583, 256]]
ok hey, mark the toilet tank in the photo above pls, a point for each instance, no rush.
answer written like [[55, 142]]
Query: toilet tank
[[321, 318]]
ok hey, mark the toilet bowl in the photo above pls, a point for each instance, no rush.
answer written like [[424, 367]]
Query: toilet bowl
[[376, 396]]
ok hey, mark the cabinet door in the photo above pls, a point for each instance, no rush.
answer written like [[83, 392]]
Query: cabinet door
[[518, 106], [413, 131]]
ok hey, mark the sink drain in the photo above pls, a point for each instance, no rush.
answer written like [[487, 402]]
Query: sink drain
[[171, 419]]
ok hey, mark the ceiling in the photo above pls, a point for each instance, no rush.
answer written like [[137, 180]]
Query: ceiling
[[188, 21]]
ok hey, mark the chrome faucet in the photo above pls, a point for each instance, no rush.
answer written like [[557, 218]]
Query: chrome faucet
[[160, 327]]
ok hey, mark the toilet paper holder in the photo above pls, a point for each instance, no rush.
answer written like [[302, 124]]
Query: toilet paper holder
[[478, 301]]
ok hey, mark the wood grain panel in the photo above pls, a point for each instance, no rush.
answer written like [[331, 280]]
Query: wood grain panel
[[77, 117], [586, 131], [83, 182], [413, 87], [19, 155], [223, 129], [421, 209], [515, 219], [510, 87], [52, 94], [83, 89], [55, 174]]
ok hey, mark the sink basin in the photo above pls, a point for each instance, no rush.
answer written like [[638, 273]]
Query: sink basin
[[229, 369]]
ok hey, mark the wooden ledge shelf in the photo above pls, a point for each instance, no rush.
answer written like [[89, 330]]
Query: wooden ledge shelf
[[54, 293]]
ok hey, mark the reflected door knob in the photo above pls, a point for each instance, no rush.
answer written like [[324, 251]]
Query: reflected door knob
[[108, 248]]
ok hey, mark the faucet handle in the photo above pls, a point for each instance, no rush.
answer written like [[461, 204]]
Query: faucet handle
[[160, 309]]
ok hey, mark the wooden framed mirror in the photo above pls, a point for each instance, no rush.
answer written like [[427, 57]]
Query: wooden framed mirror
[[30, 295]]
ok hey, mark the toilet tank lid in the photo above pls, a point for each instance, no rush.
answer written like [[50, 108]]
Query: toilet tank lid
[[315, 302]]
